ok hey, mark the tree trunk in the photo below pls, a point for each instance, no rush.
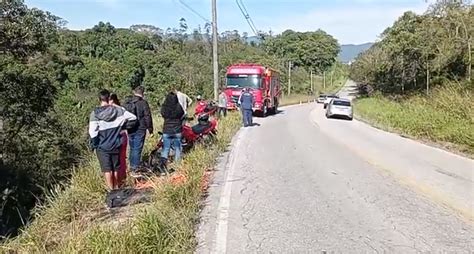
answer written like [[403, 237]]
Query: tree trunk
[[332, 74], [427, 77], [289, 78], [2, 137], [324, 80], [469, 65], [469, 50]]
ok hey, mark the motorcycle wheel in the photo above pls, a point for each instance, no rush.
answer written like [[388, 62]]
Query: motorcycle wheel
[[154, 158]]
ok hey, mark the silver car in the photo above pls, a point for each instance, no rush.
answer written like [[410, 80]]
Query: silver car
[[339, 108], [328, 99], [321, 98]]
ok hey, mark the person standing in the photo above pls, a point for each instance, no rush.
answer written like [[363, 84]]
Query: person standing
[[137, 132], [246, 102], [173, 113], [222, 104], [105, 126], [122, 173]]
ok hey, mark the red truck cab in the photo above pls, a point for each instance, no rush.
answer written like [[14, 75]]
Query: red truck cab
[[264, 84]]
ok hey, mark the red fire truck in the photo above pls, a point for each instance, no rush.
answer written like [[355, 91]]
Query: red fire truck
[[264, 84]]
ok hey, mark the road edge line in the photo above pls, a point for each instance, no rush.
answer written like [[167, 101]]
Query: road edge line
[[224, 200]]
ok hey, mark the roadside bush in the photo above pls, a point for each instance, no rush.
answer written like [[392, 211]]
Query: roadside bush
[[365, 90], [73, 218], [445, 116]]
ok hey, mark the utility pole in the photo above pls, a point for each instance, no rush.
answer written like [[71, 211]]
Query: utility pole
[[311, 80], [324, 80], [214, 49], [332, 75], [289, 78], [427, 77]]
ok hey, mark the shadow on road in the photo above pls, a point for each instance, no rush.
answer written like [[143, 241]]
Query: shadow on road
[[278, 112], [340, 118]]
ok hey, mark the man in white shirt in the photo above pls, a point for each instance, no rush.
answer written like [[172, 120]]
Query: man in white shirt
[[183, 100]]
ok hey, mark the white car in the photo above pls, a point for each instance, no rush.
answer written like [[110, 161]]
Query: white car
[[321, 98], [339, 108], [328, 99]]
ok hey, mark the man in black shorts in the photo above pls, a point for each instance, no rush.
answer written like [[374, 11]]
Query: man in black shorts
[[105, 125]]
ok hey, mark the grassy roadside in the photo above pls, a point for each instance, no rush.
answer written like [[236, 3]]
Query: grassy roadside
[[74, 220], [445, 117], [296, 99]]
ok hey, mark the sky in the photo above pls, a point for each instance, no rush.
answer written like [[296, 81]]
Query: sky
[[349, 21]]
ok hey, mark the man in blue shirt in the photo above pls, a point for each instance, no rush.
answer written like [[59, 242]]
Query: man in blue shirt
[[246, 102]]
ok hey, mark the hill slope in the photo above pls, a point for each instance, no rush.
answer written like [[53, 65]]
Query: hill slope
[[350, 51]]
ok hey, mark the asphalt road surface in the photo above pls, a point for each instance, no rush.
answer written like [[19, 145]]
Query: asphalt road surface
[[301, 183]]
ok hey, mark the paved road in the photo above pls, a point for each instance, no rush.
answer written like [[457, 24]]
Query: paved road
[[349, 90], [301, 183]]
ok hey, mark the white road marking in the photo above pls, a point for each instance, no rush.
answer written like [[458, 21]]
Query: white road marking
[[224, 201]]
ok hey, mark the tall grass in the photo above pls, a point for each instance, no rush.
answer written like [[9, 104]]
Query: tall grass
[[445, 116], [74, 218]]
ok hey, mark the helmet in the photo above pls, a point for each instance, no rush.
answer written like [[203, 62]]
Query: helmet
[[199, 98]]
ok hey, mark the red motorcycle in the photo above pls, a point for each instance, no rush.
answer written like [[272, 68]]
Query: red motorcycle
[[205, 132], [204, 107]]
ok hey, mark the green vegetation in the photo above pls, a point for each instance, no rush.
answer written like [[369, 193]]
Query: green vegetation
[[421, 71], [307, 52], [421, 51], [50, 77], [74, 220], [445, 116]]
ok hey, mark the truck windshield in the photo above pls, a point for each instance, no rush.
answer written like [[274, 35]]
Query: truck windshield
[[252, 81]]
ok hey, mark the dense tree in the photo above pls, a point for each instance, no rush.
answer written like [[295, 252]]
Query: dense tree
[[421, 51], [315, 51], [50, 76], [30, 138]]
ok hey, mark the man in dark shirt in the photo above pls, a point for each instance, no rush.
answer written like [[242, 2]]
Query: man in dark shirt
[[246, 102], [136, 135]]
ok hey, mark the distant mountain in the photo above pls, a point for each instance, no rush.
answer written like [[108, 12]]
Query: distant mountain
[[350, 51]]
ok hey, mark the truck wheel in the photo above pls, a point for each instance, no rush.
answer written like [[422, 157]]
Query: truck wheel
[[265, 110], [275, 107]]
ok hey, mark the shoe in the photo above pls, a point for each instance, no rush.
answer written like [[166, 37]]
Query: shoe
[[162, 167]]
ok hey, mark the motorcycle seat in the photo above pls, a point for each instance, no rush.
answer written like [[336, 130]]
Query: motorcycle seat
[[200, 127]]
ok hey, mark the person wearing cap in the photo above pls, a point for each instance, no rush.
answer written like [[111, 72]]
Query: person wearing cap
[[246, 102]]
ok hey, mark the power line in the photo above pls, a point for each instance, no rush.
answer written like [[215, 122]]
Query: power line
[[194, 11], [247, 17]]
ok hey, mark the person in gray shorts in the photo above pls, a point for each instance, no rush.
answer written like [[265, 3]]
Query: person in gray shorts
[[105, 126]]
